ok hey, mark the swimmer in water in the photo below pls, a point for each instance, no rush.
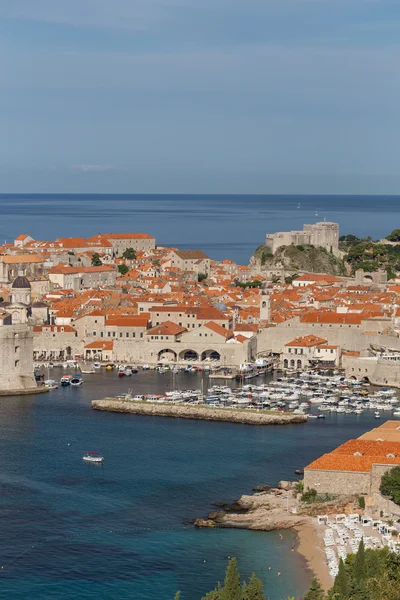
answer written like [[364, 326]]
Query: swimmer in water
[[281, 536], [279, 574]]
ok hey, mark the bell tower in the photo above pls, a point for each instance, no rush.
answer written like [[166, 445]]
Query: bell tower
[[265, 307]]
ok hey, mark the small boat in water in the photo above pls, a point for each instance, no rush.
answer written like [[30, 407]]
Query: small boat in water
[[93, 457], [76, 380], [51, 384], [109, 367], [96, 365], [66, 380], [377, 415]]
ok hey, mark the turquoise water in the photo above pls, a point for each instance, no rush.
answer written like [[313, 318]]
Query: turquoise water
[[223, 226], [120, 530]]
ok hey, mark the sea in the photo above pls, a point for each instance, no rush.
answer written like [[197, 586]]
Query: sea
[[123, 530], [223, 226]]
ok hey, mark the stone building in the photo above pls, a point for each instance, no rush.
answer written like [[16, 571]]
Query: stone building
[[16, 343], [191, 260], [323, 234], [307, 351], [357, 466]]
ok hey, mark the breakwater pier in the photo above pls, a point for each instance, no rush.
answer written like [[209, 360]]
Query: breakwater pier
[[202, 413]]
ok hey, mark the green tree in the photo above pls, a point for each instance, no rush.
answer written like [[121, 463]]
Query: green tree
[[129, 254], [254, 590], [201, 277], [340, 587], [214, 594], [390, 484], [315, 592], [359, 567], [394, 236], [231, 589], [96, 260], [123, 269]]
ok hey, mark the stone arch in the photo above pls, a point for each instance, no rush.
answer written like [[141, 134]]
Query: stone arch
[[167, 355], [299, 364], [285, 363], [189, 355], [210, 355], [292, 363]]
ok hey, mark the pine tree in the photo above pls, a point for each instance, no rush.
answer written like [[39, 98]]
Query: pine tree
[[215, 594], [231, 589], [254, 589], [340, 587], [359, 570], [315, 592]]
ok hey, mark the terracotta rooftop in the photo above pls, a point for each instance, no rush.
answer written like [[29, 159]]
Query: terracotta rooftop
[[307, 341], [166, 328]]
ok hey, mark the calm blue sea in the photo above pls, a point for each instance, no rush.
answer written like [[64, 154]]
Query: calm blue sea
[[223, 226], [120, 531]]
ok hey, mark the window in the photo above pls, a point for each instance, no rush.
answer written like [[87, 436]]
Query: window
[[109, 334], [152, 337], [101, 334], [133, 334], [141, 335], [127, 334], [94, 334], [113, 333], [120, 334]]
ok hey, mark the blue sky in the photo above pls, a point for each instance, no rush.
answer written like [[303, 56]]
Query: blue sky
[[202, 96]]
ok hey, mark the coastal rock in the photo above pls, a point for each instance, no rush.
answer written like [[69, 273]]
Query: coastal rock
[[287, 485], [261, 512], [204, 523], [262, 488]]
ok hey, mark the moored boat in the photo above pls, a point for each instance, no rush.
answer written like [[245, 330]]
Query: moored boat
[[76, 380], [66, 380]]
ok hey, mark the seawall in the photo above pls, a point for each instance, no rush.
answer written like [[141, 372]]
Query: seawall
[[201, 413]]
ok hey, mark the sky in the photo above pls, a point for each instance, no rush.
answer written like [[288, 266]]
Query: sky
[[200, 96]]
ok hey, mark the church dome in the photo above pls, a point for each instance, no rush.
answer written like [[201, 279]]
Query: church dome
[[21, 283]]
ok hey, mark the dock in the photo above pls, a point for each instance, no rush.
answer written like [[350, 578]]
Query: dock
[[198, 412]]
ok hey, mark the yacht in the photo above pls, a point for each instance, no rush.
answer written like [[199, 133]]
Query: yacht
[[76, 380], [93, 457], [66, 380], [51, 384]]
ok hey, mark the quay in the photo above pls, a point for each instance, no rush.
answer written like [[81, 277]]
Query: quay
[[202, 413]]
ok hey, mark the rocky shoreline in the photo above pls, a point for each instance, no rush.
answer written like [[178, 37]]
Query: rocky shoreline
[[264, 511], [201, 413]]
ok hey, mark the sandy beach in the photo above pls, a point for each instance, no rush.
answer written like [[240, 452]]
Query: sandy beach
[[310, 546]]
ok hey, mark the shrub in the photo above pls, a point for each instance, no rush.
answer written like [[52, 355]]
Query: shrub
[[361, 502], [309, 496], [390, 484]]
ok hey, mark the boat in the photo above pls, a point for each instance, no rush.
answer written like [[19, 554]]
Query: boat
[[76, 380], [96, 365], [51, 384], [128, 371], [377, 415], [109, 367], [321, 416], [66, 380], [93, 457]]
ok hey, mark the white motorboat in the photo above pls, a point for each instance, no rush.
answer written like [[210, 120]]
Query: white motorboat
[[76, 380], [377, 415], [66, 380], [96, 365], [51, 384], [93, 457]]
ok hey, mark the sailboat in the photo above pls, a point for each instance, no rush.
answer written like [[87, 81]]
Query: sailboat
[[316, 212]]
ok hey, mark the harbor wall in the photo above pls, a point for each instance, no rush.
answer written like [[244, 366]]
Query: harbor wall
[[196, 412]]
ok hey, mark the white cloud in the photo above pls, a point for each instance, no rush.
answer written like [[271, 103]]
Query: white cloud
[[93, 168]]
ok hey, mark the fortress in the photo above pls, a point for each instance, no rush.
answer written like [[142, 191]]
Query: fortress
[[324, 234]]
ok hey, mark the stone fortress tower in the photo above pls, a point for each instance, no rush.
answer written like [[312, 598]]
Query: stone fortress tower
[[16, 342], [323, 234]]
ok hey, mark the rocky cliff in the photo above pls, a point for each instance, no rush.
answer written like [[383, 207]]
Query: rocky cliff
[[297, 258]]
